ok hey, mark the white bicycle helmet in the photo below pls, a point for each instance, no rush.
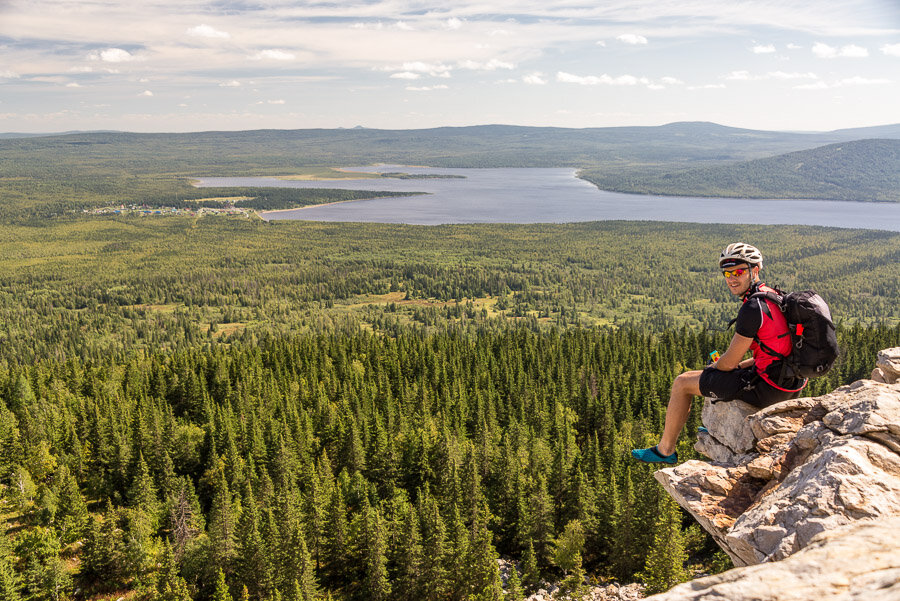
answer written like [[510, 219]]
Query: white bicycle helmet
[[738, 252]]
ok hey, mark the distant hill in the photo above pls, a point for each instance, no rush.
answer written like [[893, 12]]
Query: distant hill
[[261, 152], [878, 131], [47, 175], [862, 170], [12, 134]]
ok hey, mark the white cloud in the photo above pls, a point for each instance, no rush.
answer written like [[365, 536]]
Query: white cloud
[[854, 51], [112, 55], [491, 65], [601, 43], [453, 23], [794, 46], [432, 69], [849, 51], [206, 31], [781, 75], [404, 26], [655, 86], [426, 88], [405, 75], [784, 75], [73, 85], [146, 93], [848, 81], [891, 49], [672, 81], [274, 55], [863, 81], [632, 38], [376, 26], [81, 69], [8, 75], [763, 49], [593, 80], [534, 79], [279, 101], [738, 76], [709, 86], [230, 84], [824, 50]]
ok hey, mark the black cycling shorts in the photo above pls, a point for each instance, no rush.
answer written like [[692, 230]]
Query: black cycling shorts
[[742, 385]]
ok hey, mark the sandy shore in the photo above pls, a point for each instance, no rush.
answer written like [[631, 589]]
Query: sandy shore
[[324, 204]]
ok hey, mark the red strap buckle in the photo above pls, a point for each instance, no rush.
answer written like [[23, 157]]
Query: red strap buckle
[[799, 329]]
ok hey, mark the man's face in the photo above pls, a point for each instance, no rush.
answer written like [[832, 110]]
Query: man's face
[[738, 278]]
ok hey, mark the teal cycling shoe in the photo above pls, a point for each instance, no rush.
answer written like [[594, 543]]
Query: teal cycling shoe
[[651, 455], [702, 430]]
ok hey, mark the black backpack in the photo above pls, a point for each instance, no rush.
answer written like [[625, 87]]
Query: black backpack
[[814, 347]]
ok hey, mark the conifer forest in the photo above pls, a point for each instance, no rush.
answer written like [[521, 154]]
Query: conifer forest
[[220, 408], [213, 408]]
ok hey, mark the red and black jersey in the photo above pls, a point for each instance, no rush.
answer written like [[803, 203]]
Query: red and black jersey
[[761, 319]]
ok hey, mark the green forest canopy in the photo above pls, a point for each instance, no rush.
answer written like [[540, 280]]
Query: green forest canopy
[[192, 408]]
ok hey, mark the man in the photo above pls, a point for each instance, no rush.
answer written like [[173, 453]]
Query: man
[[760, 328]]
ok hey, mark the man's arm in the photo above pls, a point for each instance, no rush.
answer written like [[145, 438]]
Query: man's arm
[[734, 356]]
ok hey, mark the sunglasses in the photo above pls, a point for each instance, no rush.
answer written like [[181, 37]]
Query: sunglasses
[[735, 272]]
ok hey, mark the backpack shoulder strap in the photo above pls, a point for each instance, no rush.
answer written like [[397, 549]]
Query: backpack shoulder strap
[[772, 296]]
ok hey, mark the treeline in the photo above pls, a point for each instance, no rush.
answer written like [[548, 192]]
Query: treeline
[[262, 199], [85, 288], [350, 465]]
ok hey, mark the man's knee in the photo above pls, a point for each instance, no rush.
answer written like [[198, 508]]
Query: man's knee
[[688, 382]]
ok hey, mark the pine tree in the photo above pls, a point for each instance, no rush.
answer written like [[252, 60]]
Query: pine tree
[[531, 575], [514, 591], [142, 491], [626, 552], [664, 567], [72, 513], [408, 553], [336, 545], [9, 578], [483, 572], [222, 522], [103, 559], [540, 512], [460, 570], [434, 545], [253, 564], [221, 592], [567, 556], [377, 587]]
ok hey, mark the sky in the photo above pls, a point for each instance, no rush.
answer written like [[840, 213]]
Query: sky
[[181, 65]]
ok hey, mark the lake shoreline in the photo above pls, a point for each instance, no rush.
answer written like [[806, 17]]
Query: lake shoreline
[[555, 195]]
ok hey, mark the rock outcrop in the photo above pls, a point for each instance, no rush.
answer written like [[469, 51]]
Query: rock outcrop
[[854, 563], [815, 480]]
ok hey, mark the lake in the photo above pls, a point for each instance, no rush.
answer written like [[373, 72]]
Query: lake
[[550, 195]]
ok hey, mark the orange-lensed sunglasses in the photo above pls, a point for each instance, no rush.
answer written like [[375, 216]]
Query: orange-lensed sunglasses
[[735, 272]]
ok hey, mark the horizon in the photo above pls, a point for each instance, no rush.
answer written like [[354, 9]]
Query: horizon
[[363, 127], [108, 65]]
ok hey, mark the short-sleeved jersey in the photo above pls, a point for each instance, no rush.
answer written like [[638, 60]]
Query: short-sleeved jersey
[[762, 320]]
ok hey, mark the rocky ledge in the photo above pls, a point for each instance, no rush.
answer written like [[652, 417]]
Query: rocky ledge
[[814, 482]]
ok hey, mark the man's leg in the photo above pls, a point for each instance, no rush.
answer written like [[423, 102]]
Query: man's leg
[[684, 389]]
